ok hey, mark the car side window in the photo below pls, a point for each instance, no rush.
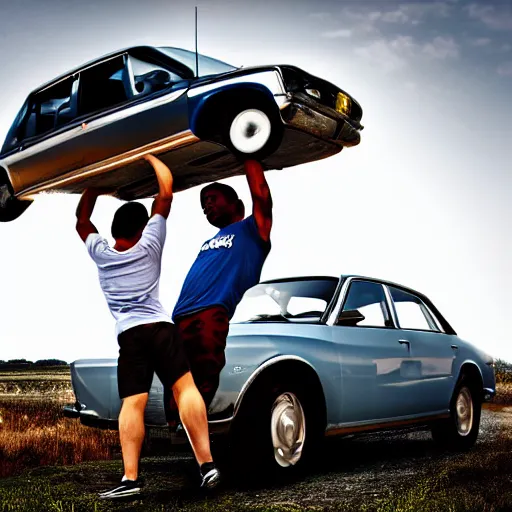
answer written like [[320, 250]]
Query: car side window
[[411, 311], [103, 86], [45, 108], [148, 78], [365, 306]]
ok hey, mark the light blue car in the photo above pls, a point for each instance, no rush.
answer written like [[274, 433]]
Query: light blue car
[[312, 357]]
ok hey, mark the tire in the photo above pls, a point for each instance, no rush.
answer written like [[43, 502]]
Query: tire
[[252, 130], [259, 443], [11, 207], [460, 431]]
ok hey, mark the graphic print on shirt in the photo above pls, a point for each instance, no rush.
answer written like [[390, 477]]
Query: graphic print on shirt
[[218, 242]]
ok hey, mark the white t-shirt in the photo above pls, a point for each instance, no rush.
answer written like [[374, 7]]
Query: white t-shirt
[[130, 279]]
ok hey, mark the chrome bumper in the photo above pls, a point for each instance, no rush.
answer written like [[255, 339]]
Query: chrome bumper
[[338, 129], [91, 419], [489, 394]]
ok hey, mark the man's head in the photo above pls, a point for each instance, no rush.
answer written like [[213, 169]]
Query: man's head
[[221, 205], [129, 221]]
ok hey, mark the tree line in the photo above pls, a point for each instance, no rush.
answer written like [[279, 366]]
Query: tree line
[[24, 363]]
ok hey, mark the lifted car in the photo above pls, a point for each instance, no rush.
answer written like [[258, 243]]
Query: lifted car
[[92, 125]]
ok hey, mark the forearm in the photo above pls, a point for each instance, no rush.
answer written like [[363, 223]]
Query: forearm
[[258, 186], [164, 177], [86, 206]]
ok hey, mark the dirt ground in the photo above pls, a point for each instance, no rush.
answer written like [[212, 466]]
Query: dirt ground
[[386, 472]]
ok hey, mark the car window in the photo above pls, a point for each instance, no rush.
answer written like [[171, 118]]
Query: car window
[[45, 108], [411, 311], [103, 86], [368, 299], [149, 78]]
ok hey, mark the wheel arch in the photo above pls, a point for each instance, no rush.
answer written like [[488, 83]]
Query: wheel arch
[[473, 371], [211, 102], [280, 366]]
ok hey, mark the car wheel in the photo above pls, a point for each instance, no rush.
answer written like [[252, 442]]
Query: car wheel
[[277, 432], [252, 131], [460, 431], [11, 207]]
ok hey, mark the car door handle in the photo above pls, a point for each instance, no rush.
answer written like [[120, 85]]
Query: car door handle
[[455, 347], [405, 342]]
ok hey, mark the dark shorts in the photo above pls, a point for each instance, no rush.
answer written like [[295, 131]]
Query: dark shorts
[[204, 336], [145, 350]]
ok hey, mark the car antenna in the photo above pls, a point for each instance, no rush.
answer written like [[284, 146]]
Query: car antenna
[[197, 60]]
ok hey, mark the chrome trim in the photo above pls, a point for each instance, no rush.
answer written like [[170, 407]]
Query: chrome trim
[[382, 424], [331, 321], [255, 373], [391, 305], [184, 138], [93, 125], [489, 394], [270, 79]]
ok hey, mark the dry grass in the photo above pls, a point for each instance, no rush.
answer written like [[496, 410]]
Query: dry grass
[[34, 432]]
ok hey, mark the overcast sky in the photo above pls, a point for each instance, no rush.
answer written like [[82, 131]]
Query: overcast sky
[[424, 200]]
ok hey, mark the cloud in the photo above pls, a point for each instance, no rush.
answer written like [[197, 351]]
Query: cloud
[[322, 16], [394, 54], [388, 55], [491, 16], [441, 48], [335, 34], [505, 69], [481, 41], [415, 12]]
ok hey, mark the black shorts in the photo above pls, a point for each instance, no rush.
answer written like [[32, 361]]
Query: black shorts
[[145, 350]]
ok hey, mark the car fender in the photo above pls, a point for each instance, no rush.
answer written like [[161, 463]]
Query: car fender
[[198, 103]]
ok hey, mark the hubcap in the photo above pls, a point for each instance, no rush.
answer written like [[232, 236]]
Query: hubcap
[[250, 131], [464, 412], [288, 427]]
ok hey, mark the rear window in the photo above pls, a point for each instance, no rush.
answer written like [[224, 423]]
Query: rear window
[[44, 108]]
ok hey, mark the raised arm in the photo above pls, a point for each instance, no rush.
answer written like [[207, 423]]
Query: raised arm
[[84, 226], [261, 198], [163, 201]]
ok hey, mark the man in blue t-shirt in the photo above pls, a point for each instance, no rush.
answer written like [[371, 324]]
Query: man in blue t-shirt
[[226, 267]]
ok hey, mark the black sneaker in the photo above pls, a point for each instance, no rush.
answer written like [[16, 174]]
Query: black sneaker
[[210, 476], [124, 489]]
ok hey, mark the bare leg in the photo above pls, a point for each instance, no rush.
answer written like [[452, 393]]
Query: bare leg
[[193, 416], [131, 432]]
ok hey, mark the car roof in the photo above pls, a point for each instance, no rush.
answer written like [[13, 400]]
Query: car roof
[[341, 277]]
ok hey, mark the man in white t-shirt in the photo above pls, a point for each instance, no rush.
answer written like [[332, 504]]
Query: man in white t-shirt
[[129, 274]]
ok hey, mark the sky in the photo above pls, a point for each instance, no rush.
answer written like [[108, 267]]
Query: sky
[[424, 200]]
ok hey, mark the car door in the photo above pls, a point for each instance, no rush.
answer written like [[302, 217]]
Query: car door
[[372, 357], [432, 352], [115, 106]]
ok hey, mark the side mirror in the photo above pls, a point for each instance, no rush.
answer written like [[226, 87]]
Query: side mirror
[[350, 317]]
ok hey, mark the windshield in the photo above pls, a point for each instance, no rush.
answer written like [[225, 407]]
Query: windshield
[[206, 65], [288, 301]]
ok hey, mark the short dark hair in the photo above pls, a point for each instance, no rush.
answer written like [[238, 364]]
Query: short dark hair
[[129, 219], [228, 192]]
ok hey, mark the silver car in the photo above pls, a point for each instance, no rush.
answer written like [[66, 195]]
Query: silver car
[[92, 125], [312, 357]]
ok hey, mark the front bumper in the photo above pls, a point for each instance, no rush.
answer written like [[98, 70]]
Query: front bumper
[[489, 394], [309, 116]]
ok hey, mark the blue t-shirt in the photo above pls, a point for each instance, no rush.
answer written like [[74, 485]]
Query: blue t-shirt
[[226, 267]]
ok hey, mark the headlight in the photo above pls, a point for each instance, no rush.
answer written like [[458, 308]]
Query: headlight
[[343, 104], [313, 92]]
